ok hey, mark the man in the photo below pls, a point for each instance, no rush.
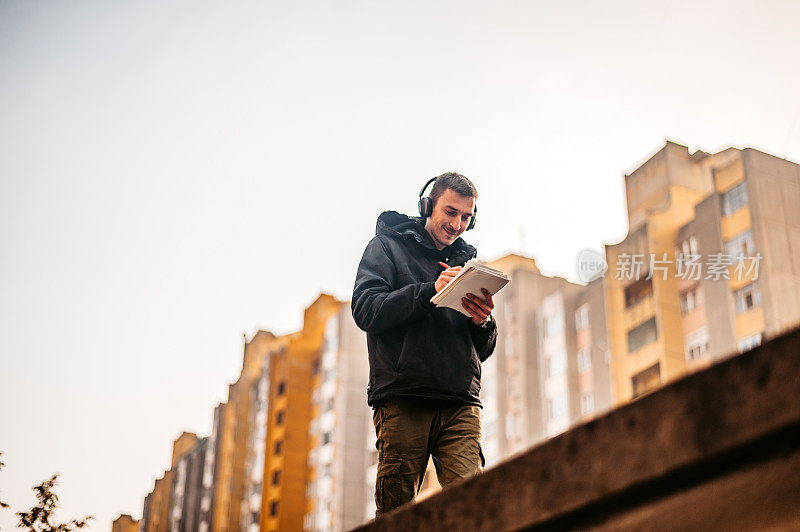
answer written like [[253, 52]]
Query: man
[[425, 362]]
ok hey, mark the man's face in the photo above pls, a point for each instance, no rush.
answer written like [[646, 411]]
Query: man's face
[[451, 215]]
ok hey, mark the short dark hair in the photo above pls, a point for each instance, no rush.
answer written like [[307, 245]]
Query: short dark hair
[[452, 181]]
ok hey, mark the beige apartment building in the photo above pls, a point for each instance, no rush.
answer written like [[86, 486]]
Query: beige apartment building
[[550, 368], [710, 266]]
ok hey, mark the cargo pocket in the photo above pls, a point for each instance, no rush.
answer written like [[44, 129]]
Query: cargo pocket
[[389, 485]]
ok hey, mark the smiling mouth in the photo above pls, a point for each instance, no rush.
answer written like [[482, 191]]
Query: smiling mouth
[[450, 233]]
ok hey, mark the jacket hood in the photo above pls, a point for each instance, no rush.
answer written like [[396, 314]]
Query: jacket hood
[[396, 225]]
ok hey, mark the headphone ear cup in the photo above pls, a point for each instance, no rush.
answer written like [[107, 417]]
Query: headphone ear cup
[[425, 208], [472, 221]]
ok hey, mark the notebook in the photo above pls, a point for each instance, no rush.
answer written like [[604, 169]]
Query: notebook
[[472, 277]]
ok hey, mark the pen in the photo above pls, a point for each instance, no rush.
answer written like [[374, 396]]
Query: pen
[[443, 265]]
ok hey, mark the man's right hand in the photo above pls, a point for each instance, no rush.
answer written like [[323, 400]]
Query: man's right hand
[[445, 277]]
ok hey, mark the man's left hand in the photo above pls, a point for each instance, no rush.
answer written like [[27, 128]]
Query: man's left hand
[[479, 309]]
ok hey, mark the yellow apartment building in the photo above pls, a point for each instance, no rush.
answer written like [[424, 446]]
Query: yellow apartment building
[[125, 523], [155, 514], [710, 265], [291, 375]]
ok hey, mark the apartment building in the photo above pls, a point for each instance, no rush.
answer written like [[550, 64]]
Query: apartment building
[[184, 513], [257, 442], [592, 395], [339, 420], [233, 438], [209, 475], [288, 416], [549, 370], [156, 507], [710, 265], [125, 523]]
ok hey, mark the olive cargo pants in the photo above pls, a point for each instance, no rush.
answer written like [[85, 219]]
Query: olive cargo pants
[[408, 434]]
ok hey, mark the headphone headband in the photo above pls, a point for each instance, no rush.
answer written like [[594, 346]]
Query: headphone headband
[[421, 192]]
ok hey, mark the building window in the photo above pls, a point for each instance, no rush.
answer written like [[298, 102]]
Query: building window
[[749, 342], [315, 367], [741, 245], [553, 325], [642, 335], [582, 317], [558, 406], [747, 298], [693, 352], [587, 403], [255, 517], [696, 343], [646, 380], [326, 438], [279, 417], [273, 508], [687, 247], [693, 245], [690, 300], [278, 447], [329, 404], [556, 364], [276, 477], [734, 199], [281, 387], [638, 291], [584, 359]]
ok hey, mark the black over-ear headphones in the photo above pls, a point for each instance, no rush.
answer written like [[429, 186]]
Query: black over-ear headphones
[[425, 206]]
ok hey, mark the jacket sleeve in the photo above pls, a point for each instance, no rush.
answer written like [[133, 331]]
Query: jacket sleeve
[[376, 306], [484, 339]]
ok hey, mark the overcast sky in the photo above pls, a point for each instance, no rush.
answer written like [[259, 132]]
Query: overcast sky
[[173, 174]]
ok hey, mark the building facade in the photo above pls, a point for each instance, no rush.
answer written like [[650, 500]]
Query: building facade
[[710, 265], [291, 372], [184, 514], [125, 523], [339, 420], [549, 370]]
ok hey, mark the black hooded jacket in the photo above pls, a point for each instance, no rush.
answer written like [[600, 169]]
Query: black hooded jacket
[[416, 350]]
